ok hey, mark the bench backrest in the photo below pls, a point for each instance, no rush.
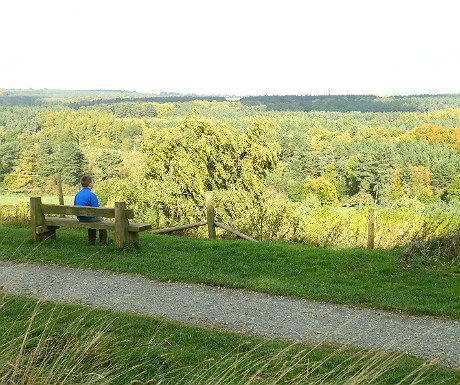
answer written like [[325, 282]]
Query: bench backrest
[[85, 211]]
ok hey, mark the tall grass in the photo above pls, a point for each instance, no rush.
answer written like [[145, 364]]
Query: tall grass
[[42, 343], [433, 245], [15, 214], [38, 354], [277, 218]]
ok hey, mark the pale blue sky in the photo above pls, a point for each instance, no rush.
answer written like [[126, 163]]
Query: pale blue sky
[[232, 47]]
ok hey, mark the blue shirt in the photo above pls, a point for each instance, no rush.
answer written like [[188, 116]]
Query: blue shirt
[[85, 197]]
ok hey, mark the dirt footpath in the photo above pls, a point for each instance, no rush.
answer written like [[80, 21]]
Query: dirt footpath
[[239, 311]]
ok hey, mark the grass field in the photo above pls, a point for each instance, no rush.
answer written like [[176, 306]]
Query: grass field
[[45, 343], [14, 199], [373, 279]]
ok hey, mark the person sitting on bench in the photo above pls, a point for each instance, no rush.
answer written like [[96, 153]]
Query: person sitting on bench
[[85, 197]]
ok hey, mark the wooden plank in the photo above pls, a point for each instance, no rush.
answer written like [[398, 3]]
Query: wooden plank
[[210, 215], [181, 227], [241, 235], [86, 211], [75, 223], [136, 227], [45, 229], [105, 225]]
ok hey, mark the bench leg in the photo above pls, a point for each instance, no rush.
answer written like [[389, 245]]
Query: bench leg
[[133, 237]]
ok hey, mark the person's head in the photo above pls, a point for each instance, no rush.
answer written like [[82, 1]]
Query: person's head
[[86, 181]]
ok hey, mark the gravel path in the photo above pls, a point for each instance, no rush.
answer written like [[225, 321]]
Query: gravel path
[[239, 311]]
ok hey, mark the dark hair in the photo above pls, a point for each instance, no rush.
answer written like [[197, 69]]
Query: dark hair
[[86, 180]]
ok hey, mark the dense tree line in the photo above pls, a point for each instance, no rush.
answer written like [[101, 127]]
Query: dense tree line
[[362, 103], [152, 99], [386, 155]]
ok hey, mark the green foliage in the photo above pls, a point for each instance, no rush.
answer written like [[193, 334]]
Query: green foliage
[[198, 156], [372, 171], [108, 164], [323, 189], [309, 203], [15, 215], [295, 191], [9, 156], [47, 161], [361, 198], [132, 191], [453, 190], [71, 163], [103, 124], [25, 170]]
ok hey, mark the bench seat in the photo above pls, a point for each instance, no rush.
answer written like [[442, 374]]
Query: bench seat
[[106, 225]]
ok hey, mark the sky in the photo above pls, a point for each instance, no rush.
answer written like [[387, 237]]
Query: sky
[[232, 47]]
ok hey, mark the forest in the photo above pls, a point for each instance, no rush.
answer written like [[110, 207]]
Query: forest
[[280, 166]]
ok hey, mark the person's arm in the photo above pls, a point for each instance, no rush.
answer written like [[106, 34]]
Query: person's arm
[[94, 201]]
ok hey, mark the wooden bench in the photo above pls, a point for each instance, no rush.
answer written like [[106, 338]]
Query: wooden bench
[[44, 227]]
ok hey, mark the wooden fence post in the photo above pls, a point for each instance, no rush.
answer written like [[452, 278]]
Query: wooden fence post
[[370, 229], [59, 185], [210, 214], [121, 225]]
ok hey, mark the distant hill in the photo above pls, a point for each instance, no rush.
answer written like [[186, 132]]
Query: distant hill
[[339, 103], [362, 103]]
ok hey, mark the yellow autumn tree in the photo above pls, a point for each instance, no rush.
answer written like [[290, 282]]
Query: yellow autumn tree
[[396, 185], [420, 183], [26, 169], [323, 189]]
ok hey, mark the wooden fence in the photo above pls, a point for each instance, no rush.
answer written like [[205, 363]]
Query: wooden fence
[[210, 222]]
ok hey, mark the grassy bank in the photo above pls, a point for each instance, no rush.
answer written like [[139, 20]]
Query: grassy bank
[[44, 343], [373, 279]]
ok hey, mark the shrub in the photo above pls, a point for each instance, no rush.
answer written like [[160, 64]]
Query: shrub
[[323, 189], [436, 242]]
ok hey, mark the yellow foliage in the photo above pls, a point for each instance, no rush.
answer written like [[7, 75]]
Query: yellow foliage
[[421, 175], [373, 133], [315, 143], [454, 137], [26, 168], [346, 137], [396, 186], [163, 109], [323, 189], [434, 134]]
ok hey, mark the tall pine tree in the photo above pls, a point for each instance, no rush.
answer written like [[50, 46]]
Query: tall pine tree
[[71, 163]]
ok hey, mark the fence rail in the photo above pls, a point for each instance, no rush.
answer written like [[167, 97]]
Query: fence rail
[[211, 222]]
